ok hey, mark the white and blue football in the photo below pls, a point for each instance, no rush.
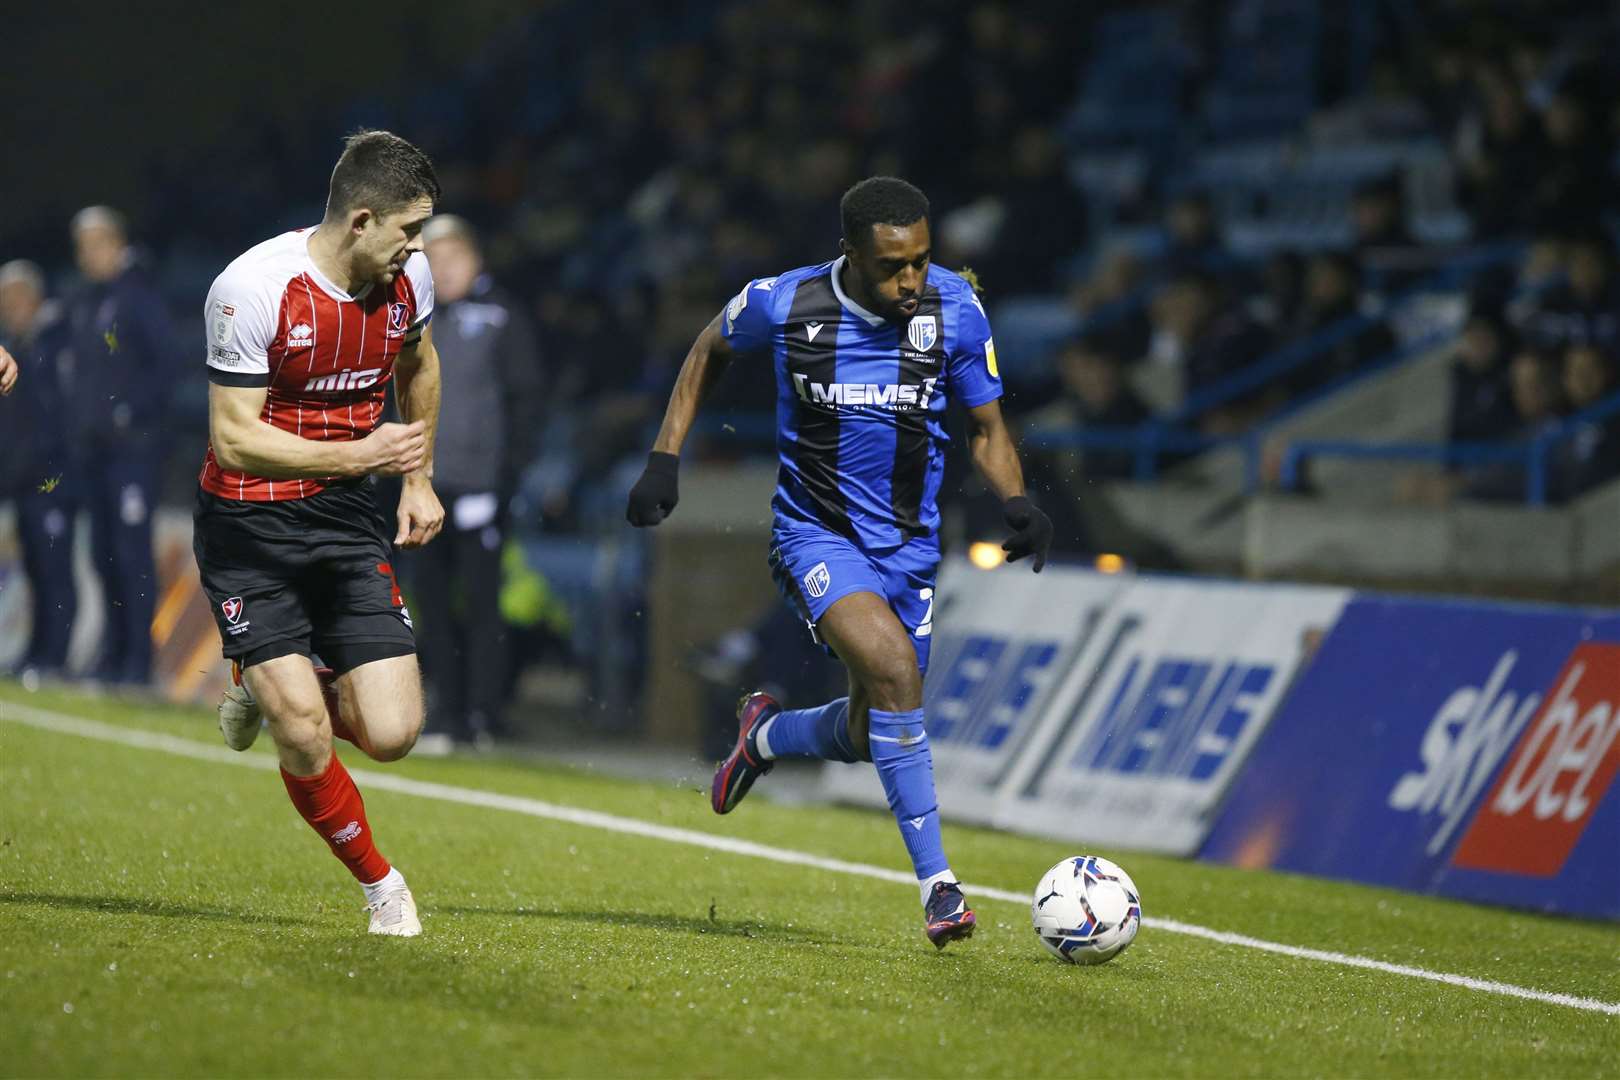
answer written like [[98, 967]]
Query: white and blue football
[[1086, 910]]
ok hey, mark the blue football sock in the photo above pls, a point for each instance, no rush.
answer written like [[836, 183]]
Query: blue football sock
[[821, 732], [906, 767]]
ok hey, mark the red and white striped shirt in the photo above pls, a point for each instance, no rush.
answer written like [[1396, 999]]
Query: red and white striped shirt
[[327, 357]]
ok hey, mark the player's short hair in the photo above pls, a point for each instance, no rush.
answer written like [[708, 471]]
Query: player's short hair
[[880, 200], [380, 172]]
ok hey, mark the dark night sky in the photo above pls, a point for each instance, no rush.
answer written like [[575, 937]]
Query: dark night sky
[[96, 95]]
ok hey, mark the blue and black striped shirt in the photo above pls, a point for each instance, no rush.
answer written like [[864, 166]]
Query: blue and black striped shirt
[[861, 400]]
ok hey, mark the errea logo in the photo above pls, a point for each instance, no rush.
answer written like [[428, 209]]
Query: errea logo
[[345, 380], [300, 336]]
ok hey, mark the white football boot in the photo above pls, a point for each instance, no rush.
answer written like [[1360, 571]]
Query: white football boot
[[239, 715], [395, 915]]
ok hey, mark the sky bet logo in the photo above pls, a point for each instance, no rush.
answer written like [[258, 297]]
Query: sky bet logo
[[1564, 755], [1560, 770], [897, 398]]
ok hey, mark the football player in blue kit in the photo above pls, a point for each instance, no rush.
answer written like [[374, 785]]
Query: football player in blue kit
[[868, 350]]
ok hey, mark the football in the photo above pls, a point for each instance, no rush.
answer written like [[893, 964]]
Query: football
[[1086, 910]]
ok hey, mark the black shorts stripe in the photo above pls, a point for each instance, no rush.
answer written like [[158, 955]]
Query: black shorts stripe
[[787, 584], [817, 427], [911, 439]]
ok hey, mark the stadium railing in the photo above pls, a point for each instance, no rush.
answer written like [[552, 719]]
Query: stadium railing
[[1169, 434], [1534, 454]]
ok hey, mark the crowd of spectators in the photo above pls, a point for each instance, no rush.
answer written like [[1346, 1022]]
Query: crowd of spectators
[[625, 189], [1529, 110], [622, 191], [1522, 370], [86, 434]]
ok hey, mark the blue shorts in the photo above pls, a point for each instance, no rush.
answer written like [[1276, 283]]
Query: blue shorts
[[815, 567]]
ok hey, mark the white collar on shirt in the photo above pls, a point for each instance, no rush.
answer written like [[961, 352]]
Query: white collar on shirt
[[843, 297]]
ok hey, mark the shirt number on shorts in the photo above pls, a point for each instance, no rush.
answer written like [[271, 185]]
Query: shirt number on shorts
[[927, 626]]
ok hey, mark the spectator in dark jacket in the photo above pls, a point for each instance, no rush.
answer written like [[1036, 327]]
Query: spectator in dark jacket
[[1193, 242], [1538, 404], [489, 427], [32, 424], [34, 463], [1332, 297], [1501, 152], [1208, 339], [1093, 394], [1590, 455], [123, 368], [1383, 244], [1585, 307], [1481, 402], [1107, 300], [1043, 219], [1281, 298], [1574, 181], [1378, 215], [1097, 395]]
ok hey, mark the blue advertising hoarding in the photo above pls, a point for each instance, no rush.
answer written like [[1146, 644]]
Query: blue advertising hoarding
[[1462, 749]]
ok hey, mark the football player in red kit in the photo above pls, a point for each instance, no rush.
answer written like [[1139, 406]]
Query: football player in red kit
[[306, 331]]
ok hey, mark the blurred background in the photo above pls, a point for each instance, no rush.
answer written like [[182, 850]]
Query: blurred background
[[1306, 290]]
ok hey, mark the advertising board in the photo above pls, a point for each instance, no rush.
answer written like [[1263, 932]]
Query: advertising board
[[1463, 749]]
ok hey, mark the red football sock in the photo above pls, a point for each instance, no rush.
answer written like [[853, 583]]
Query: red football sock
[[329, 692], [332, 805]]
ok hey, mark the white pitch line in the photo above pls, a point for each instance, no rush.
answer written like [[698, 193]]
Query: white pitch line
[[63, 723]]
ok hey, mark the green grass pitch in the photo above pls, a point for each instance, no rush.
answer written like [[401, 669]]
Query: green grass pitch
[[167, 916]]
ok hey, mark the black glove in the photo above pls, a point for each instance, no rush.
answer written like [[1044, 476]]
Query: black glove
[[656, 493], [1032, 531]]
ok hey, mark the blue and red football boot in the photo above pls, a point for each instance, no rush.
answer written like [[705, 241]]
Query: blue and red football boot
[[743, 766], [948, 915]]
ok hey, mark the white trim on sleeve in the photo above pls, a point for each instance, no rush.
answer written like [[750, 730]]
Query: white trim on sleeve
[[239, 321]]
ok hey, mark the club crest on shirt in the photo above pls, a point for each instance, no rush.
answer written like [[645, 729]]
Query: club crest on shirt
[[817, 581], [922, 332], [396, 319]]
